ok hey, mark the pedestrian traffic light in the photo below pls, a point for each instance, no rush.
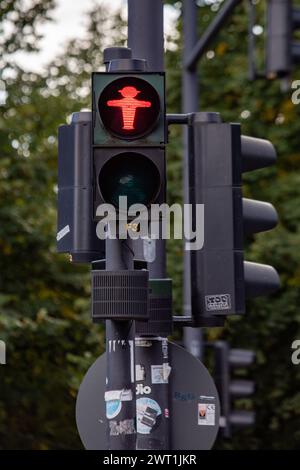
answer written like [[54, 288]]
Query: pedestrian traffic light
[[282, 50], [123, 111], [129, 135], [220, 278], [230, 368], [76, 228]]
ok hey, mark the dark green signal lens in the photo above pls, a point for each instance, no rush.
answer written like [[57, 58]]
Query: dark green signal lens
[[132, 175]]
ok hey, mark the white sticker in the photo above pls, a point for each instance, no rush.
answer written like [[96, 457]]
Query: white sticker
[[143, 343], [164, 344], [206, 414], [160, 373], [166, 370], [63, 232], [140, 372], [131, 345], [122, 395], [218, 302], [149, 247]]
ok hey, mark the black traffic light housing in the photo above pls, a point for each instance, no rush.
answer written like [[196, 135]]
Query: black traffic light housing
[[220, 278], [129, 136], [128, 159], [76, 228], [282, 51], [227, 363]]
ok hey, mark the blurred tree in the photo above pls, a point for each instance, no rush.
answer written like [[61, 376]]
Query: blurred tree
[[271, 324], [20, 24], [44, 300]]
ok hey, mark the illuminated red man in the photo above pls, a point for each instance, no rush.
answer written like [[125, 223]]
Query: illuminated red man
[[129, 105]]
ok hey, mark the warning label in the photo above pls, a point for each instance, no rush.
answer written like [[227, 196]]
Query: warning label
[[206, 414]]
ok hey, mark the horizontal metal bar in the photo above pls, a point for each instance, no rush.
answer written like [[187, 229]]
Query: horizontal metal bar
[[296, 17], [178, 118], [295, 46], [183, 319], [210, 33], [242, 418], [241, 388]]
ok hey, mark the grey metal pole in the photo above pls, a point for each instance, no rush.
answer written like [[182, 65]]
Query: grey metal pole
[[146, 40], [145, 32], [192, 336], [120, 336], [251, 41], [120, 376]]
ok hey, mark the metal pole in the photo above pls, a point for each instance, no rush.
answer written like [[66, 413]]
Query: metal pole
[[146, 40], [120, 379], [145, 32], [251, 41], [190, 96]]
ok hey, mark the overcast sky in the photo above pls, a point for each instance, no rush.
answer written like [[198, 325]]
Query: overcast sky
[[69, 22]]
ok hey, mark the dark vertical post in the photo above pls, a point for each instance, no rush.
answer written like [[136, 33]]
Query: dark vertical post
[[190, 98], [251, 41], [146, 40], [120, 337], [120, 375], [145, 32]]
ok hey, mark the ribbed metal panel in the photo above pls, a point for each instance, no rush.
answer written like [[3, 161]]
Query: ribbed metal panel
[[120, 295], [160, 310]]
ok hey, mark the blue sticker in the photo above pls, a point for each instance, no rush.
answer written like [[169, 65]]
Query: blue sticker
[[113, 408]]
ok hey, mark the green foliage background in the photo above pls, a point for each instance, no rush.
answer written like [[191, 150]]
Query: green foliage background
[[44, 300]]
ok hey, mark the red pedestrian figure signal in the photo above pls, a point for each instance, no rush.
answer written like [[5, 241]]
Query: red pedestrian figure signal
[[129, 104]]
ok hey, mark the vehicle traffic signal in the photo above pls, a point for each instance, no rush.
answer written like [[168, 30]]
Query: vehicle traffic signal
[[227, 364], [129, 135], [221, 279], [282, 50]]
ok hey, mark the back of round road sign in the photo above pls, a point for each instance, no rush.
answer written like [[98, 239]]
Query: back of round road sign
[[194, 408]]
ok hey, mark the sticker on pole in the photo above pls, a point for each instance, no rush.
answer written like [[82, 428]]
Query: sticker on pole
[[63, 232], [113, 408], [148, 415], [140, 372], [160, 373], [206, 414]]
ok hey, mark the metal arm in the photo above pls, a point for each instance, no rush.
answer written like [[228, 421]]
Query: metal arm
[[210, 33]]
